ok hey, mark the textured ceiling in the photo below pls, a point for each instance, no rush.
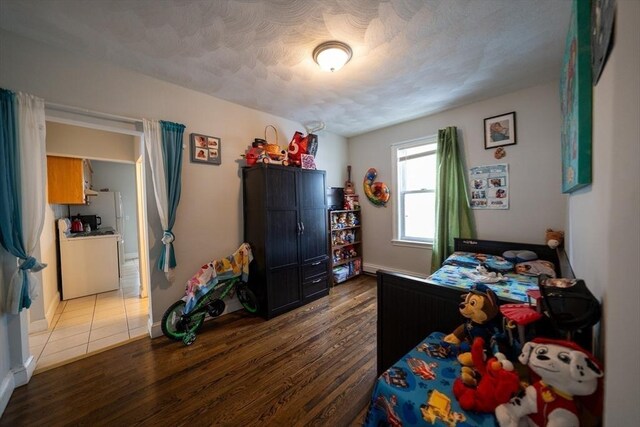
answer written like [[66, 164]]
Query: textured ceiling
[[410, 57]]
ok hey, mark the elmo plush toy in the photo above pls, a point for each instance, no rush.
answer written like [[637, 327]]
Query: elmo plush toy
[[496, 385]]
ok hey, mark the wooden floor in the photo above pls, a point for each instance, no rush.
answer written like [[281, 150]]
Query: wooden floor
[[313, 366]]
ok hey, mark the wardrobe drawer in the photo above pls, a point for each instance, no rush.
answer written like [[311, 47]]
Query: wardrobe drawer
[[314, 269], [315, 286]]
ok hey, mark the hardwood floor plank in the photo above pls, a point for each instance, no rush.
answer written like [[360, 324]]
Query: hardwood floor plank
[[312, 366]]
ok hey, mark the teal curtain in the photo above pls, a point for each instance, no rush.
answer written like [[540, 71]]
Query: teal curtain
[[11, 227], [453, 213], [172, 158]]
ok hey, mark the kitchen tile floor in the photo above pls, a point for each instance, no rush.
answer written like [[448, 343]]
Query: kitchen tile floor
[[83, 325]]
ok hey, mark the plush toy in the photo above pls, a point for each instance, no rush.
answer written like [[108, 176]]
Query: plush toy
[[497, 381], [342, 220], [480, 308], [554, 239], [565, 370]]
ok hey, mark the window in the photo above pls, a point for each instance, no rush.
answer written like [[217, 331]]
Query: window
[[415, 191]]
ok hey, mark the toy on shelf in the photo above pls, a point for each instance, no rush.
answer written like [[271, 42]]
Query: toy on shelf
[[565, 370], [352, 219], [351, 202]]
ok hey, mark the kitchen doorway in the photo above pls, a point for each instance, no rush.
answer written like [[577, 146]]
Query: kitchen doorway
[[70, 329]]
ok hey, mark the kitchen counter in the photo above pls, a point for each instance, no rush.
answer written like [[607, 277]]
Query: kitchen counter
[[101, 232]]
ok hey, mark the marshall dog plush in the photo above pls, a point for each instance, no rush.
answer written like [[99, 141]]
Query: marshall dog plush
[[480, 308], [565, 370]]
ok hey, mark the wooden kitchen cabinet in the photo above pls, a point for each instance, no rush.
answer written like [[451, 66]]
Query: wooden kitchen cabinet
[[68, 180]]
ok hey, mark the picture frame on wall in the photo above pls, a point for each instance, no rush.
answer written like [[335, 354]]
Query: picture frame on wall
[[500, 131], [603, 14], [576, 100], [205, 149]]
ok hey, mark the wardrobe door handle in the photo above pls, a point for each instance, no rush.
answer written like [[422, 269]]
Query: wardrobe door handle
[[297, 228], [302, 224]]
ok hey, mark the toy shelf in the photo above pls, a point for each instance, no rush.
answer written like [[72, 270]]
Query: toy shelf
[[345, 237]]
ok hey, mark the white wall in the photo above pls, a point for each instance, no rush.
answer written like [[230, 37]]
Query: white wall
[[43, 308], [209, 223], [536, 202], [604, 218], [120, 177]]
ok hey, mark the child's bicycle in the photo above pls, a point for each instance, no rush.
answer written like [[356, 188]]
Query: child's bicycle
[[205, 294]]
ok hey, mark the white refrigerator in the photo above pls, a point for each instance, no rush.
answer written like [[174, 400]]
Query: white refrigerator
[[108, 206]]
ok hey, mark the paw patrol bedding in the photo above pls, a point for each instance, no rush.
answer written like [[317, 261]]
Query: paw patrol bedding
[[418, 390], [513, 287]]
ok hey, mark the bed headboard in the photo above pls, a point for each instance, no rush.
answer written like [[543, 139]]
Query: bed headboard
[[493, 247]]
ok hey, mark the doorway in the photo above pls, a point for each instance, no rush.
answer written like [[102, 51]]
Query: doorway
[[94, 322]]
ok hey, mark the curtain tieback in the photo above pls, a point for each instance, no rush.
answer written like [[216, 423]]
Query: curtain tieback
[[168, 237], [30, 263]]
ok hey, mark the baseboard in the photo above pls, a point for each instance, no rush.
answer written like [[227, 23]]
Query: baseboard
[[6, 389], [42, 325], [372, 268], [155, 330], [53, 306], [38, 326], [23, 374]]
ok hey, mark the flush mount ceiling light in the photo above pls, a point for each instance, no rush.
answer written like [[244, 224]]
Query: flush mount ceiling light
[[331, 56]]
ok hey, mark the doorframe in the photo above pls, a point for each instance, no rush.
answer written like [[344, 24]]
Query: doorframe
[[85, 120]]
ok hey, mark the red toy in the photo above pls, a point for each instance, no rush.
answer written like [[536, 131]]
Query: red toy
[[297, 147], [496, 385]]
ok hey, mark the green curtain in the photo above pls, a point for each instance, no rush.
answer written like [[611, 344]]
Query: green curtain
[[453, 214]]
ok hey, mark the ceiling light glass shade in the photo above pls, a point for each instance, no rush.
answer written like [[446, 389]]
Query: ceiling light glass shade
[[331, 56]]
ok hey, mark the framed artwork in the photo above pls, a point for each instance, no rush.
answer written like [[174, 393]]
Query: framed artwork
[[500, 130], [575, 100], [603, 14], [205, 149]]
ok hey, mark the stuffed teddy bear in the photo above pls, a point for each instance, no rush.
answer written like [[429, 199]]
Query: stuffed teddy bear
[[554, 239], [480, 308], [565, 370], [497, 384]]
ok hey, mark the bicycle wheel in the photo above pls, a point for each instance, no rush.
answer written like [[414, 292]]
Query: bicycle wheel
[[175, 326], [247, 298]]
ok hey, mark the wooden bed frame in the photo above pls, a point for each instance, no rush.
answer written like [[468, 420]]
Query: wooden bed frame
[[410, 308]]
